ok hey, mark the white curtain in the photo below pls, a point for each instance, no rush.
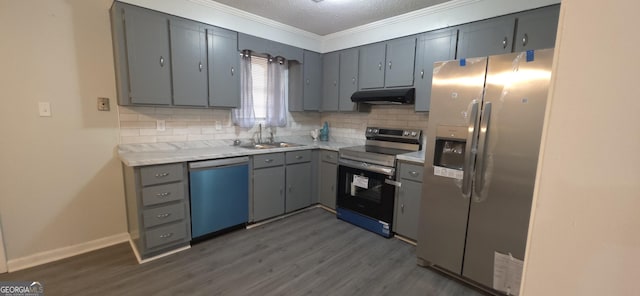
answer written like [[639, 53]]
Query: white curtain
[[276, 92], [245, 115]]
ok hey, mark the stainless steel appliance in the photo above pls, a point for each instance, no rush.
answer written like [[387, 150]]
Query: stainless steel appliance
[[484, 134], [366, 177], [219, 196]]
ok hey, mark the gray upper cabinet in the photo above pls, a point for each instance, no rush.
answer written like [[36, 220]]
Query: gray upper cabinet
[[312, 81], [488, 37], [400, 62], [141, 43], [224, 68], [372, 59], [388, 64], [330, 79], [188, 63], [348, 79], [536, 29], [431, 47]]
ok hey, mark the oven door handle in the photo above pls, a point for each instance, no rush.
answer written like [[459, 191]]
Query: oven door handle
[[389, 171], [393, 183]]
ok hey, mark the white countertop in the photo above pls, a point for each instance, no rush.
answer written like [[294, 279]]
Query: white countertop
[[171, 152], [417, 156]]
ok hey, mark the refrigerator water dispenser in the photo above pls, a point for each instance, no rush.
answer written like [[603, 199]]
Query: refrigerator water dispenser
[[450, 146]]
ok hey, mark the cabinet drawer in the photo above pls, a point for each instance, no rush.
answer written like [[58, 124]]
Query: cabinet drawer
[[329, 156], [298, 156], [411, 172], [166, 234], [158, 174], [162, 193], [268, 160], [162, 215]]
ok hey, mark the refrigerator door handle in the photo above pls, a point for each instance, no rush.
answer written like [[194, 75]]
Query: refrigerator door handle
[[484, 130], [468, 150]]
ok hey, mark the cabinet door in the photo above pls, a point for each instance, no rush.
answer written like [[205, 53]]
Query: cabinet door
[[348, 78], [484, 38], [298, 186], [537, 29], [432, 47], [408, 208], [147, 39], [330, 75], [224, 68], [312, 76], [268, 193], [372, 58], [327, 186], [188, 63], [400, 62]]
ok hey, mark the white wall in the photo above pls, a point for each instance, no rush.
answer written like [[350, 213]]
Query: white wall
[[60, 182], [584, 236]]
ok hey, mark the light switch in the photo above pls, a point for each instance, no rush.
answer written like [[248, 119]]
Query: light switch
[[160, 125], [44, 109]]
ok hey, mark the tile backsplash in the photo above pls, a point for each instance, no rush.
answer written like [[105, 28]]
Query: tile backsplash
[[138, 124]]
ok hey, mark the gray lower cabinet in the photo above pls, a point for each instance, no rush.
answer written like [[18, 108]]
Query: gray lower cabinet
[[298, 180], [142, 54], [537, 28], [431, 47], [157, 199], [224, 68], [268, 186], [407, 206], [330, 79], [328, 178], [188, 63]]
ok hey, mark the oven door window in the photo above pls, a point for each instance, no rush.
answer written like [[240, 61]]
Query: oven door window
[[366, 193]]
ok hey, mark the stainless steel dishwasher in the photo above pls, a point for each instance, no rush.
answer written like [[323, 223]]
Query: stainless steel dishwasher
[[219, 192]]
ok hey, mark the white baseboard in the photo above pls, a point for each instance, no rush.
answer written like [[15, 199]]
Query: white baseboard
[[65, 252], [141, 261]]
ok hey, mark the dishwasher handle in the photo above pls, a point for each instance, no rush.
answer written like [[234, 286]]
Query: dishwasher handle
[[219, 162]]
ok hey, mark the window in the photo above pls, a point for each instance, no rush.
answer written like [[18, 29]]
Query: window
[[259, 77]]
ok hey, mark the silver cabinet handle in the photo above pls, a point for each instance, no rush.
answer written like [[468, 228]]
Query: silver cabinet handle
[[389, 65], [162, 175], [422, 74], [329, 156], [504, 42], [233, 71], [268, 160], [200, 66], [525, 39], [161, 61], [162, 216], [166, 235], [308, 81], [335, 83], [402, 208], [412, 173], [379, 66], [289, 189], [298, 156], [163, 194], [353, 80]]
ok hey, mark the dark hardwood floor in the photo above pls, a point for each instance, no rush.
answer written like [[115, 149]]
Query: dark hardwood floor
[[311, 253]]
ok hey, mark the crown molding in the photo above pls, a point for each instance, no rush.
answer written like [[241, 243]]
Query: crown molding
[[401, 18], [256, 18]]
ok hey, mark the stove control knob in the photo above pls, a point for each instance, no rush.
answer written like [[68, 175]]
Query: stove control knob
[[405, 133], [375, 131], [414, 133], [369, 130]]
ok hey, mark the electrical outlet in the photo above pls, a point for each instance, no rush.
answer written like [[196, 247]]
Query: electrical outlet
[[218, 125], [160, 126], [103, 104], [44, 109]]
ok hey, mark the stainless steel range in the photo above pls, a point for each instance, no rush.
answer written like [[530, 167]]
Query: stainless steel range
[[366, 177]]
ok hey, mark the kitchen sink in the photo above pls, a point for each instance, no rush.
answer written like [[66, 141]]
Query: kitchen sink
[[270, 145]]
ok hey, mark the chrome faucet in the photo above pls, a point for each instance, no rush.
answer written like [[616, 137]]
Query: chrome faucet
[[260, 133]]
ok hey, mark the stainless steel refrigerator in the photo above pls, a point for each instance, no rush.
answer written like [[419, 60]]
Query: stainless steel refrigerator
[[483, 141]]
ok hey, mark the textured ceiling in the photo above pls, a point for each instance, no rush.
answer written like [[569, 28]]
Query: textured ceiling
[[328, 16]]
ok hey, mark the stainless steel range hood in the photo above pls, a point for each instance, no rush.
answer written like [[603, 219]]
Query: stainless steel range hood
[[397, 96]]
